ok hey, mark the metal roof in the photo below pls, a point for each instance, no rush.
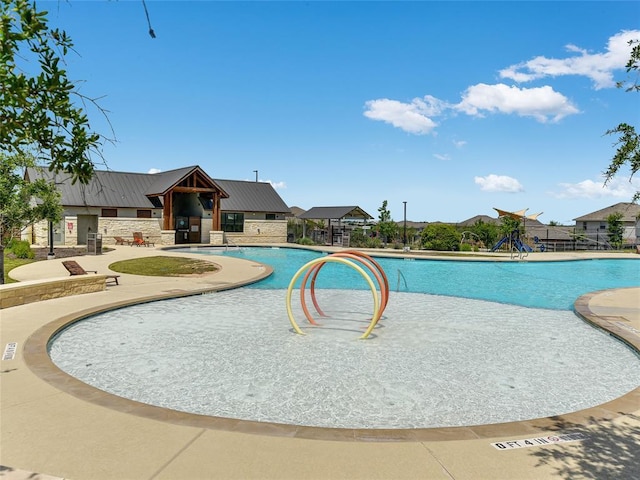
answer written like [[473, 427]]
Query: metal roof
[[334, 213], [131, 190], [164, 181], [105, 189], [246, 196]]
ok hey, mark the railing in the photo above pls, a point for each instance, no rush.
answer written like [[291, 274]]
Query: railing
[[230, 243], [400, 275]]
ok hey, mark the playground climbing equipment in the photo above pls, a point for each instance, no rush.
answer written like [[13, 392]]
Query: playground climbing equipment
[[513, 238], [353, 259]]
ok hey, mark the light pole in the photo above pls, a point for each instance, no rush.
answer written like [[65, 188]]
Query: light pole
[[51, 253], [256, 172], [405, 226]]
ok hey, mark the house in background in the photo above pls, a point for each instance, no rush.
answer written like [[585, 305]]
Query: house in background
[[594, 225], [174, 207]]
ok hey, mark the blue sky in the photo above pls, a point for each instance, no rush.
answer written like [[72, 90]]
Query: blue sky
[[453, 107]]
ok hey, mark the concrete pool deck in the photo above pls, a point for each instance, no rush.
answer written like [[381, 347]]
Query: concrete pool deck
[[53, 424]]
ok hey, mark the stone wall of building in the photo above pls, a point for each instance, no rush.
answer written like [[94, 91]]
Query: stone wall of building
[[255, 231], [259, 231], [109, 227]]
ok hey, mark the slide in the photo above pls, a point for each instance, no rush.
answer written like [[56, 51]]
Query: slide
[[522, 247], [499, 244]]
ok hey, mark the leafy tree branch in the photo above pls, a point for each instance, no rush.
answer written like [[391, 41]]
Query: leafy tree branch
[[628, 142], [37, 109]]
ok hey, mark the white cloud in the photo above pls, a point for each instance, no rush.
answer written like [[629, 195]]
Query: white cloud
[[414, 117], [459, 143], [276, 185], [442, 156], [541, 103], [154, 170], [599, 67], [498, 183], [617, 188]]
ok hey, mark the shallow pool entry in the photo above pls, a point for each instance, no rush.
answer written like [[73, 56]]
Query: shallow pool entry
[[431, 361]]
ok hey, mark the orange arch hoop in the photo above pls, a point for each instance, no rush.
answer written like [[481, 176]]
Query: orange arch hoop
[[347, 258], [364, 259]]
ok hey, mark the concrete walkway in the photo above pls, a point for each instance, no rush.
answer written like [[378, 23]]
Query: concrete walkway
[[54, 424]]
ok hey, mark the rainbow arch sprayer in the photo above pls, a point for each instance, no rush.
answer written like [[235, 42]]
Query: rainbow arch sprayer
[[353, 259]]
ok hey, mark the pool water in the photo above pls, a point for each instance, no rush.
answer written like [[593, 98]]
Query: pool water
[[554, 285], [433, 361], [460, 343]]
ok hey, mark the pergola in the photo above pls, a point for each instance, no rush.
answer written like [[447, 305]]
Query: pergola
[[333, 213]]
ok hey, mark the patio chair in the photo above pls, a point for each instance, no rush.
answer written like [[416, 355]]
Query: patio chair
[[122, 241], [138, 240], [75, 269]]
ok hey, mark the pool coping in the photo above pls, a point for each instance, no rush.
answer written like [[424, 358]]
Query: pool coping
[[36, 357]]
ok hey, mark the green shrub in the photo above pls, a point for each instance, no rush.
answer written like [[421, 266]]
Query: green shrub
[[20, 249], [466, 247], [441, 236], [373, 243], [305, 241]]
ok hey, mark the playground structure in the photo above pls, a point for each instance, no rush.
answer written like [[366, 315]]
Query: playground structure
[[513, 237], [353, 259]]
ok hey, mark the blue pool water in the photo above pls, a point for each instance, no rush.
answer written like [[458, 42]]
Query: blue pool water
[[511, 350], [550, 285]]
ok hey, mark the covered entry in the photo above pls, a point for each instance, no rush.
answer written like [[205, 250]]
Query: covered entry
[[191, 203]]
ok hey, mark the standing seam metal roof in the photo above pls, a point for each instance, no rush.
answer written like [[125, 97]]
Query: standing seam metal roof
[[247, 196], [129, 190], [321, 213]]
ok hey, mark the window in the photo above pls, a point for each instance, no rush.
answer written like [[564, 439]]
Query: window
[[109, 212], [144, 214], [270, 216], [233, 222]]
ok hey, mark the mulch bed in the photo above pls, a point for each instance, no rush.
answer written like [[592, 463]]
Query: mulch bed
[[61, 252]]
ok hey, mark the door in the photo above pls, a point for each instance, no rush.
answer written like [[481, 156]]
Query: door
[[182, 230], [195, 234]]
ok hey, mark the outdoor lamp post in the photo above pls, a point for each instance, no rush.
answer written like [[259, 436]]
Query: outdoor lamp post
[[51, 252], [405, 226]]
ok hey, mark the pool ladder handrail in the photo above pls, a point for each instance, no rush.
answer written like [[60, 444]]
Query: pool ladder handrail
[[406, 286]]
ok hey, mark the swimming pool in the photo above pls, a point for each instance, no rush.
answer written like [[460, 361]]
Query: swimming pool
[[554, 284], [433, 361]]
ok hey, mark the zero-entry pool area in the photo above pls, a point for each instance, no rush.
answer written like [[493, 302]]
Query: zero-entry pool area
[[435, 359]]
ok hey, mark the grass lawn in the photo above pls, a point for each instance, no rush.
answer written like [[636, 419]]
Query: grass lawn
[[163, 266], [11, 263]]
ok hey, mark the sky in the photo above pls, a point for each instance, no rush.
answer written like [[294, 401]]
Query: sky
[[455, 108]]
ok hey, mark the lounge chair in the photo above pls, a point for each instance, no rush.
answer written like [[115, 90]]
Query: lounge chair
[[75, 269], [122, 241], [138, 240]]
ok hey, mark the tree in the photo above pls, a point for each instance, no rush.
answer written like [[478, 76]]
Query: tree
[[509, 225], [37, 111], [486, 232], [22, 202], [441, 236], [386, 227], [628, 143], [615, 229], [36, 97]]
